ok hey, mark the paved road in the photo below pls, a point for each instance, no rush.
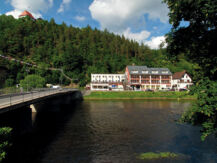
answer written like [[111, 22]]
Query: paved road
[[9, 100]]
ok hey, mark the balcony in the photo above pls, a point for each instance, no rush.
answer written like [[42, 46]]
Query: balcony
[[165, 78], [155, 79], [182, 81], [107, 82]]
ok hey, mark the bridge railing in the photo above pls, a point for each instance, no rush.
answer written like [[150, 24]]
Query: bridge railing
[[15, 98]]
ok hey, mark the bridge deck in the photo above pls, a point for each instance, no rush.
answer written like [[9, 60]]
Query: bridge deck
[[7, 101]]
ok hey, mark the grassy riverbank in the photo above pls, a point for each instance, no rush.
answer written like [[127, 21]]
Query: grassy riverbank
[[139, 95]]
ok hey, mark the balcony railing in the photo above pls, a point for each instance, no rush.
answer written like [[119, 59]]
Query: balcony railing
[[182, 81], [155, 78], [112, 82]]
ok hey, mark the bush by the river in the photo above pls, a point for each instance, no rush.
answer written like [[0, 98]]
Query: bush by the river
[[32, 81], [204, 111], [152, 155], [5, 134]]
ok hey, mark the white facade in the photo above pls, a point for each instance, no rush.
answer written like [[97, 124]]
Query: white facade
[[182, 83], [105, 82]]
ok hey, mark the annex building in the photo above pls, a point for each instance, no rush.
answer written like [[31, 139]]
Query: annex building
[[181, 80], [107, 82]]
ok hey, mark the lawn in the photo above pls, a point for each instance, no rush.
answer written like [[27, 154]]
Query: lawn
[[139, 95]]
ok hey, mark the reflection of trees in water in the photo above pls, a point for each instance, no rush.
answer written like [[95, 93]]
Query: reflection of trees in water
[[73, 136], [112, 131]]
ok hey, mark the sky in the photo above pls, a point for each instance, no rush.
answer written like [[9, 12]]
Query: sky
[[145, 21]]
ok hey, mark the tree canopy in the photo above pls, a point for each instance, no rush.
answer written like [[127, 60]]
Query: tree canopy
[[32, 81], [197, 39]]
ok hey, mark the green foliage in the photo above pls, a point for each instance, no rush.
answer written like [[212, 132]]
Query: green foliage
[[32, 81], [139, 95], [205, 109], [5, 134], [9, 82], [79, 52], [198, 38], [198, 41], [153, 156]]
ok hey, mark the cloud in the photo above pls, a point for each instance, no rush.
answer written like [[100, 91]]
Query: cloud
[[117, 15], [80, 18], [139, 37], [155, 42], [62, 5], [33, 6]]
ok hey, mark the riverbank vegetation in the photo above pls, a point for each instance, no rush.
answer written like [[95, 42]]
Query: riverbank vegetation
[[32, 81], [139, 95], [5, 134], [78, 51], [197, 40], [154, 156]]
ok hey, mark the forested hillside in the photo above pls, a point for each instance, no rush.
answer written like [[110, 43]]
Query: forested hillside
[[79, 51]]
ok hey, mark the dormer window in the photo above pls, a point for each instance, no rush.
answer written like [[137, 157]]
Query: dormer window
[[154, 72], [145, 72], [134, 72], [164, 72]]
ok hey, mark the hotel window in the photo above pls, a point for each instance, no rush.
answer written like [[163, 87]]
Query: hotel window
[[165, 82], [145, 81], [135, 81], [165, 77], [155, 82], [155, 77], [134, 76], [145, 77]]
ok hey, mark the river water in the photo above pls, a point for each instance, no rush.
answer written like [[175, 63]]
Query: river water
[[114, 132]]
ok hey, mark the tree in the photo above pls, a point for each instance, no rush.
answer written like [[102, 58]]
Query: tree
[[5, 134], [197, 39], [9, 82], [32, 81]]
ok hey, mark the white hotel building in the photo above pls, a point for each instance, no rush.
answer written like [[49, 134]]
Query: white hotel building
[[105, 82]]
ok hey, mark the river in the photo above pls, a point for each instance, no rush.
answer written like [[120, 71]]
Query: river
[[113, 132]]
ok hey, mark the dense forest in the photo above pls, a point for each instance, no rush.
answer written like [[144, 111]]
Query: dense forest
[[78, 51]]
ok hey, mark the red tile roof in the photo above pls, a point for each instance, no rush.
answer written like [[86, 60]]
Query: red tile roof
[[26, 13], [179, 75]]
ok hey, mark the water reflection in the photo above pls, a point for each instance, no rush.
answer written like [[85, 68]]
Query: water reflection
[[117, 131]]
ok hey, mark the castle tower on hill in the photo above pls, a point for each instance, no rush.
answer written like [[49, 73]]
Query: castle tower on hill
[[25, 14]]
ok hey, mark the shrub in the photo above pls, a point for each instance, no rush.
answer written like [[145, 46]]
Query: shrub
[[5, 134]]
